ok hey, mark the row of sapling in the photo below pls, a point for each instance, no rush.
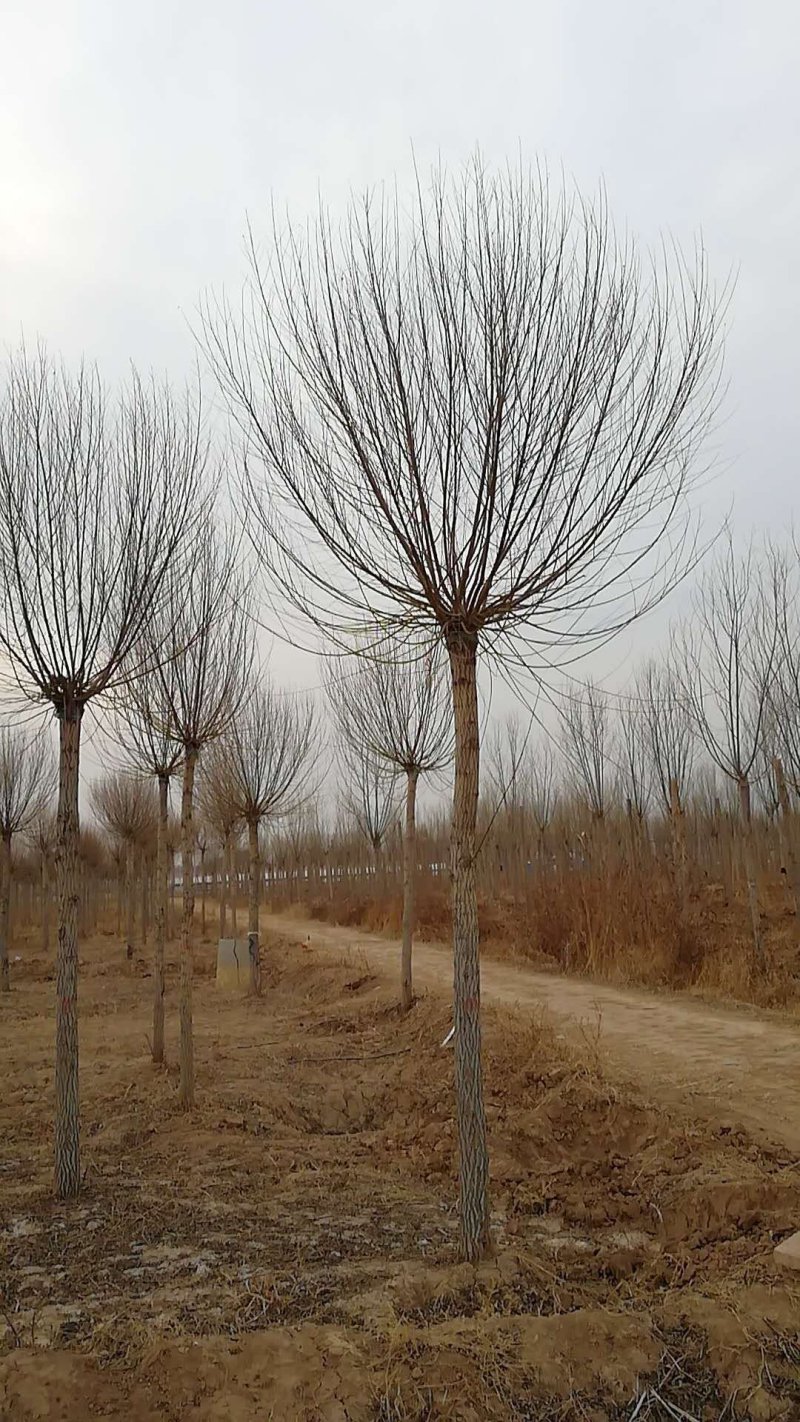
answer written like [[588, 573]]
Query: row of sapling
[[476, 422]]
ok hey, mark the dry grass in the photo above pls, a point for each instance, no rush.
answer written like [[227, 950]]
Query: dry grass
[[300, 1222], [621, 925]]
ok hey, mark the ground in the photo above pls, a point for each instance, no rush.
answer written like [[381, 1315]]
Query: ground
[[288, 1249]]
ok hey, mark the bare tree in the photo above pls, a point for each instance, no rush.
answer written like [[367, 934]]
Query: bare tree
[[543, 792], [670, 737], [126, 809], [27, 782], [205, 642], [727, 664], [630, 744], [368, 798], [142, 728], [584, 736], [476, 419], [92, 517], [396, 709], [269, 755], [220, 814]]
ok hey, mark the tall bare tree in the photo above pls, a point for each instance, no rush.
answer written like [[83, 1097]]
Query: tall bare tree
[[368, 798], [543, 788], [584, 736], [669, 733], [269, 754], [631, 750], [93, 515], [396, 709], [728, 655], [205, 644], [27, 783], [477, 418]]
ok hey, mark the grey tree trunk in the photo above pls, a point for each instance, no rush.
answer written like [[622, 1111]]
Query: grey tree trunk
[[678, 829], [45, 906], [253, 947], [186, 1092], [223, 890], [130, 901], [749, 869], [203, 891], [5, 909], [409, 891], [470, 1116], [144, 903], [786, 832], [231, 877], [162, 906], [67, 1127]]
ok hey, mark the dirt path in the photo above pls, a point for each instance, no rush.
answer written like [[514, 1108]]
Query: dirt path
[[740, 1067]]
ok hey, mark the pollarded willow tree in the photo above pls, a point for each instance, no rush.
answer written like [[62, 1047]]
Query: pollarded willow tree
[[396, 709], [728, 655], [205, 648], [477, 418], [27, 783], [94, 512], [143, 729], [584, 738], [368, 798], [225, 824], [126, 809], [268, 759]]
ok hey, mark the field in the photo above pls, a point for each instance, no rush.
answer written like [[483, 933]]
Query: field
[[287, 1250]]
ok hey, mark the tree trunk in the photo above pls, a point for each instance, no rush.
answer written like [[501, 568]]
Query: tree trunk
[[171, 896], [409, 890], [471, 1120], [786, 832], [67, 1127], [252, 921], [223, 889], [5, 908], [678, 831], [749, 869], [203, 891], [130, 901], [144, 890], [120, 896], [186, 1093], [45, 907], [162, 906], [229, 871]]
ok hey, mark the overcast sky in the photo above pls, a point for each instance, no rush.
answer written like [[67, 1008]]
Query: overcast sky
[[135, 138]]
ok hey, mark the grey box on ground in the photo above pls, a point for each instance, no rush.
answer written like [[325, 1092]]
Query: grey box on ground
[[787, 1253], [233, 966]]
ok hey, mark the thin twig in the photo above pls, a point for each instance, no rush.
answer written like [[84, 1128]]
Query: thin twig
[[360, 1057]]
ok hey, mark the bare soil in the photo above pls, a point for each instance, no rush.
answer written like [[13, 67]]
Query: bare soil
[[288, 1249]]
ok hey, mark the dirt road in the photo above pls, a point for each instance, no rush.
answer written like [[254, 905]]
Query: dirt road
[[741, 1067]]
